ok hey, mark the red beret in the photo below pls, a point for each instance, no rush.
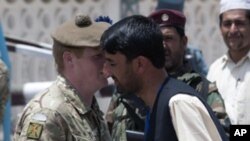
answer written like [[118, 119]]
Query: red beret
[[167, 17]]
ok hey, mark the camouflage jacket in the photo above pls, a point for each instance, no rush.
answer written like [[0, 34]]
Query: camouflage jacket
[[120, 119], [4, 88], [58, 114]]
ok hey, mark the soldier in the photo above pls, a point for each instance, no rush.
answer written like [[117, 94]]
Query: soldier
[[68, 110], [4, 88], [126, 113], [175, 42]]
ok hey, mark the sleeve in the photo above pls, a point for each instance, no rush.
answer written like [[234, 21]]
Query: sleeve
[[210, 74], [191, 119], [44, 125], [4, 88]]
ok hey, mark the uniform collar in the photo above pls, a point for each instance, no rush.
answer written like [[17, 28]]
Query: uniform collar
[[72, 96], [185, 68]]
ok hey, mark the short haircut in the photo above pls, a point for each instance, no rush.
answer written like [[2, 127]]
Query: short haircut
[[179, 30], [135, 36], [59, 49]]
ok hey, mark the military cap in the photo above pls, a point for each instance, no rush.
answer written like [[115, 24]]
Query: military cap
[[168, 17], [80, 32], [226, 5]]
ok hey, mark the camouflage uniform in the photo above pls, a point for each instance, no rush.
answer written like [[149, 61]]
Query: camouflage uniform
[[4, 88], [59, 114], [120, 119]]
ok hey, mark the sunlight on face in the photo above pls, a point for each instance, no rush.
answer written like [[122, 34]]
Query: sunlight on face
[[235, 29]]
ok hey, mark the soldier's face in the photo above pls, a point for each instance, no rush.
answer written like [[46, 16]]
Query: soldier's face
[[235, 29], [88, 69], [122, 72], [174, 47]]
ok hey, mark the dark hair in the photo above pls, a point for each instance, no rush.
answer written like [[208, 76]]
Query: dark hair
[[180, 30], [135, 36], [247, 16]]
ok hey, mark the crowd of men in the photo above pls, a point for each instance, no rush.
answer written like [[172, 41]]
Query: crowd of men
[[159, 92]]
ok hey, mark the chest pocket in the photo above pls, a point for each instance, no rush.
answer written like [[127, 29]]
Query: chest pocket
[[83, 128]]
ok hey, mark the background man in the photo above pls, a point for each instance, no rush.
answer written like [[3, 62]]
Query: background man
[[175, 42], [231, 72]]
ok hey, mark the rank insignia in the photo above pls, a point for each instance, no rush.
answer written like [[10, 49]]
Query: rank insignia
[[34, 130], [164, 17]]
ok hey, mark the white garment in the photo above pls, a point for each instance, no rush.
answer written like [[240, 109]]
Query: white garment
[[233, 82], [191, 119], [226, 5]]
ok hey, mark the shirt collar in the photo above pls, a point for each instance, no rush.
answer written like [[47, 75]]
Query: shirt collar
[[72, 95], [227, 59]]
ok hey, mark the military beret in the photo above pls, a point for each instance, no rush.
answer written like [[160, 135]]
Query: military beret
[[80, 32], [168, 17]]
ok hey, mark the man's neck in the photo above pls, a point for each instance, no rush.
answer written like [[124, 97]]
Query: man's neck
[[152, 86], [85, 96], [236, 56]]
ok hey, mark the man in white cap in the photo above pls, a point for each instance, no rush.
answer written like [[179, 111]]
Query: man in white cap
[[68, 110], [231, 72]]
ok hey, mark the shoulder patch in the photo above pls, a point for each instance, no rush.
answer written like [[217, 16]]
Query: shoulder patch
[[34, 130], [39, 117]]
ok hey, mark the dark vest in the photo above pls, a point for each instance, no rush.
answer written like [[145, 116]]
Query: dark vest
[[161, 127]]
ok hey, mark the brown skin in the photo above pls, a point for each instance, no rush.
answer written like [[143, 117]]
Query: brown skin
[[138, 76], [174, 46], [235, 29]]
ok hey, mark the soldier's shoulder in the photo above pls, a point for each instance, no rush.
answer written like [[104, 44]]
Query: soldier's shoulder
[[190, 76], [38, 122], [3, 67], [50, 98]]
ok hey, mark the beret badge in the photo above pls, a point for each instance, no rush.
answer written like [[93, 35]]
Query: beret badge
[[82, 21], [164, 17]]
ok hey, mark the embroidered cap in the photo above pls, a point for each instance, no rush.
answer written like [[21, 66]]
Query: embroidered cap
[[80, 32], [168, 17], [226, 5]]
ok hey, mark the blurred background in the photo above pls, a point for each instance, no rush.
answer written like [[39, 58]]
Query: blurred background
[[27, 25]]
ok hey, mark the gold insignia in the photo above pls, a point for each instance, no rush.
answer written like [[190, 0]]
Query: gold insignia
[[34, 130], [164, 17]]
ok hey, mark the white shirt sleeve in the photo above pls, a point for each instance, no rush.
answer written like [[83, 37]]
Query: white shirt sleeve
[[191, 119]]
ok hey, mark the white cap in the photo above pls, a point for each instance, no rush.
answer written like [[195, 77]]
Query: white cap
[[226, 5]]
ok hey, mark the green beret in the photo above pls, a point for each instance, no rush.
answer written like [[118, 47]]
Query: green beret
[[80, 32]]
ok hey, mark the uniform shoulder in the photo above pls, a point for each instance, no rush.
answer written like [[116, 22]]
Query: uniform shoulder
[[3, 67], [189, 77], [50, 98]]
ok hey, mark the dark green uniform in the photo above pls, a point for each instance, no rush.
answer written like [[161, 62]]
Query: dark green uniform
[[4, 88]]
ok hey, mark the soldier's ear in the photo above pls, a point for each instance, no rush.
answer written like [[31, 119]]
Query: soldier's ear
[[185, 41], [67, 58]]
